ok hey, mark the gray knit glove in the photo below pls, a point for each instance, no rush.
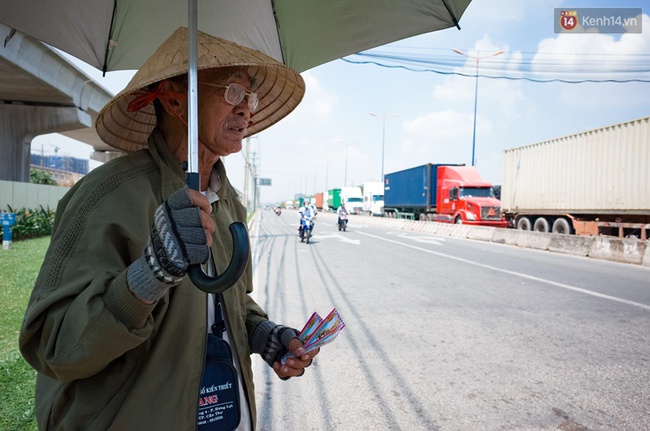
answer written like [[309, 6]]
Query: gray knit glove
[[271, 341], [177, 241]]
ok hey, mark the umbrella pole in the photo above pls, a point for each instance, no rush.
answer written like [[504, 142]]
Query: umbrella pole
[[238, 231], [193, 176]]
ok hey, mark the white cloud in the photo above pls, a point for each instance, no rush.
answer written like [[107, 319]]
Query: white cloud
[[592, 52], [317, 106], [439, 126]]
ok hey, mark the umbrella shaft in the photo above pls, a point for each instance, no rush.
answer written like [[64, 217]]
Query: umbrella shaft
[[192, 128]]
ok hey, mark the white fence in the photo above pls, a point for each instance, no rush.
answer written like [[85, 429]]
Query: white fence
[[30, 196]]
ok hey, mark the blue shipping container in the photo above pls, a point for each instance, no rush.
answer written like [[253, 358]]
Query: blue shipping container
[[412, 188]]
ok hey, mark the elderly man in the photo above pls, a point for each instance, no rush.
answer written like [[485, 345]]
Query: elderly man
[[120, 337]]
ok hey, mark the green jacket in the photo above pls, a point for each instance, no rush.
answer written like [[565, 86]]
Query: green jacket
[[104, 359]]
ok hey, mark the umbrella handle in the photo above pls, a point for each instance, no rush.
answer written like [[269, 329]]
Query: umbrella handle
[[238, 262], [236, 267]]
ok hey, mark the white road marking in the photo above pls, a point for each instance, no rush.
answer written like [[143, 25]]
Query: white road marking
[[424, 239], [340, 237], [518, 274]]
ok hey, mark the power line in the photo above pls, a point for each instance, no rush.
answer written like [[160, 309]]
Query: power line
[[568, 68]]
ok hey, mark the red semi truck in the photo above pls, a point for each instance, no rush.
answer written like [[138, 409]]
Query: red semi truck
[[442, 193]]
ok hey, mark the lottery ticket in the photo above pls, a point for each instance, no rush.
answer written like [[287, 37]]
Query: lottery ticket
[[318, 332]]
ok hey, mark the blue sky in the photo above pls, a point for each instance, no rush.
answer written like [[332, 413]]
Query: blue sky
[[306, 152]]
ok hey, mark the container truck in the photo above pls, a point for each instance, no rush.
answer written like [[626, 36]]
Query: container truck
[[591, 183], [333, 199], [353, 199], [373, 198], [443, 193]]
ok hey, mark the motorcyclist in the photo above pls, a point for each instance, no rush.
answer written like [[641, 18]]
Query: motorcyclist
[[341, 211], [307, 211]]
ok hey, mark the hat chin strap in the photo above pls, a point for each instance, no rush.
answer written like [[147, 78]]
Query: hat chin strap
[[164, 94]]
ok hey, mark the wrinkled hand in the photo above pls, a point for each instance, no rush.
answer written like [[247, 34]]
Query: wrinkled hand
[[273, 341], [295, 367]]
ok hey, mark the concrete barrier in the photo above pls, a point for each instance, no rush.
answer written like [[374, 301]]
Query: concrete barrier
[[571, 244], [459, 230], [625, 250], [618, 249], [481, 233], [536, 240], [646, 257], [506, 236]]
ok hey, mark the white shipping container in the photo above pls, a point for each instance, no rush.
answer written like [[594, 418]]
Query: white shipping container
[[601, 171]]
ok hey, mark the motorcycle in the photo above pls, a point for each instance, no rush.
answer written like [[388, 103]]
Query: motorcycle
[[343, 222], [277, 210], [307, 225]]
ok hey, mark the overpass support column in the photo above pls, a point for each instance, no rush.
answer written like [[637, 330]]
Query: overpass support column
[[21, 123]]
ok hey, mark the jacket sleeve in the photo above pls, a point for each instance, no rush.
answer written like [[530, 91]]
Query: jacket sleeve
[[81, 315]]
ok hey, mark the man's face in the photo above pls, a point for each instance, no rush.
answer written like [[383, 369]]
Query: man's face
[[222, 125]]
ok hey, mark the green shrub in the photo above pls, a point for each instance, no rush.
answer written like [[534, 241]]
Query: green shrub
[[32, 223], [40, 177]]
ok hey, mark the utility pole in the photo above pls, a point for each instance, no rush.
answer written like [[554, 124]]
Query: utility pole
[[327, 166], [383, 119], [477, 59], [246, 173], [255, 176]]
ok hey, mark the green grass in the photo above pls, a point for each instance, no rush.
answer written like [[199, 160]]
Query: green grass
[[19, 267]]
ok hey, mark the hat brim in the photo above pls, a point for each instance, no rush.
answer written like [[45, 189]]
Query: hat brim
[[279, 88]]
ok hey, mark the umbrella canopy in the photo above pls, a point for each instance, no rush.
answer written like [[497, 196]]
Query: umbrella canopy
[[123, 34], [120, 34]]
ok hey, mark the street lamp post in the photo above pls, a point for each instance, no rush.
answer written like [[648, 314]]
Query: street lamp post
[[345, 180], [477, 59], [383, 119]]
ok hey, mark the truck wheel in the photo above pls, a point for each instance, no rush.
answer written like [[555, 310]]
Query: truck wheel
[[541, 225], [458, 220], [562, 226], [422, 217], [524, 224]]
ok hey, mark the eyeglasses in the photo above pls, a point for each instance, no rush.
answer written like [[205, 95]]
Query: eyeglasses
[[235, 93]]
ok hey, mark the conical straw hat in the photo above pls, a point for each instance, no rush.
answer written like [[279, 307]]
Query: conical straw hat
[[280, 88]]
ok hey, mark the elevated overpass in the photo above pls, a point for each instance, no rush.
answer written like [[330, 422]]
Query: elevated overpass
[[42, 92]]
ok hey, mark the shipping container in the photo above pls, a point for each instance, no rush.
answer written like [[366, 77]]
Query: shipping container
[[318, 198], [600, 175], [334, 199], [413, 188]]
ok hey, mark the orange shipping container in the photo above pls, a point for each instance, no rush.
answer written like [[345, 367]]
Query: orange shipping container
[[319, 201]]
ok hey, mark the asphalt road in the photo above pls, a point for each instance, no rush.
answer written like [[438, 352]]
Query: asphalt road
[[451, 334]]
